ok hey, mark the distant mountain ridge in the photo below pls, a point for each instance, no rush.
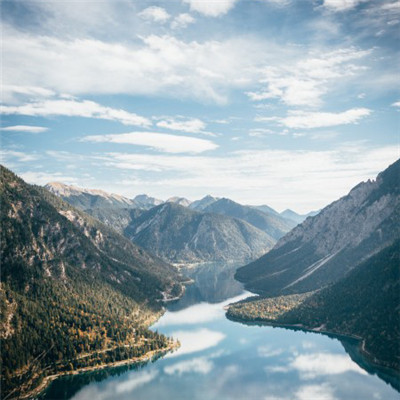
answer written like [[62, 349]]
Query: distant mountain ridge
[[323, 248], [253, 232], [181, 235], [89, 198], [200, 205], [146, 202], [272, 224], [298, 218]]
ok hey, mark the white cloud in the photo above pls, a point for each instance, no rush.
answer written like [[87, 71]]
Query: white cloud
[[24, 128], [319, 364], [303, 82], [11, 93], [74, 108], [200, 365], [194, 341], [341, 5], [309, 120], [156, 14], [311, 392], [301, 175], [396, 104], [12, 155], [152, 65], [209, 8], [158, 141], [193, 125], [262, 132], [182, 21]]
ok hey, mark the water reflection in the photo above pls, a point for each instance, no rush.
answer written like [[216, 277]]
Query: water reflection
[[220, 359], [213, 283]]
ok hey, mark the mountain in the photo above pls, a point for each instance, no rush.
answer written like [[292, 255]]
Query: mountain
[[323, 248], [181, 235], [74, 293], [200, 205], [146, 202], [179, 200], [273, 225], [88, 198], [266, 209], [298, 218], [364, 304]]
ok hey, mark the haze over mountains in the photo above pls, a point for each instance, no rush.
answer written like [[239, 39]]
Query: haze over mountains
[[180, 231]]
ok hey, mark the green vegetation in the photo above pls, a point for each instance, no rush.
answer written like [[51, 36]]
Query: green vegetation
[[265, 309], [364, 304], [74, 293]]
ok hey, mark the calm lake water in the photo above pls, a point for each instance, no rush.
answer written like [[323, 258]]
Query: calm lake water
[[220, 359]]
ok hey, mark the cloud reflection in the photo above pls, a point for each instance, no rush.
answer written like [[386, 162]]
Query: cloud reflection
[[313, 365], [194, 341], [198, 313], [319, 364], [117, 388], [201, 365]]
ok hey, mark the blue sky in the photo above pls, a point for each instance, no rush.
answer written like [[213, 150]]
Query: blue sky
[[279, 102]]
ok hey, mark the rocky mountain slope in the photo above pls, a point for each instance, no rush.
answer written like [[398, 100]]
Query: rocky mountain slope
[[272, 224], [200, 205], [325, 247], [89, 198], [146, 202], [74, 292], [179, 235], [179, 200]]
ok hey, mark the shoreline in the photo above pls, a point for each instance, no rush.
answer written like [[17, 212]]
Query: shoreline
[[360, 347], [50, 378]]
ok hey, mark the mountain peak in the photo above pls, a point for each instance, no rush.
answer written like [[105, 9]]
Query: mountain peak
[[87, 198], [179, 200]]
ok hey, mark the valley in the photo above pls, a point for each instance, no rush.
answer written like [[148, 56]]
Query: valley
[[104, 274]]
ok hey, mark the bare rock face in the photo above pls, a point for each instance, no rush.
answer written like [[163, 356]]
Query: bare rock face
[[323, 248]]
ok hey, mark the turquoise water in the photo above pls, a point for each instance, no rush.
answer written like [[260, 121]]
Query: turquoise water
[[220, 359]]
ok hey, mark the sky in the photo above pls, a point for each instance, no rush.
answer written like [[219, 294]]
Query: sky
[[288, 103]]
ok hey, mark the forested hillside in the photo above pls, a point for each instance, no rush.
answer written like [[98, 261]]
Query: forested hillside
[[74, 293], [365, 304]]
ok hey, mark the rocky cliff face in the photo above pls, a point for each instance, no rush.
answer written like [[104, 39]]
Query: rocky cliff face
[[325, 247], [181, 235]]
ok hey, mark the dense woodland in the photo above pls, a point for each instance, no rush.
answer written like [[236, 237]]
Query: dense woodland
[[74, 293], [364, 304]]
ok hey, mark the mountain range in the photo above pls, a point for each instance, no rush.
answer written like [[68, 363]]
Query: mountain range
[[74, 293], [181, 235], [209, 229]]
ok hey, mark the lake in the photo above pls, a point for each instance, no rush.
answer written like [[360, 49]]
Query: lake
[[220, 359]]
